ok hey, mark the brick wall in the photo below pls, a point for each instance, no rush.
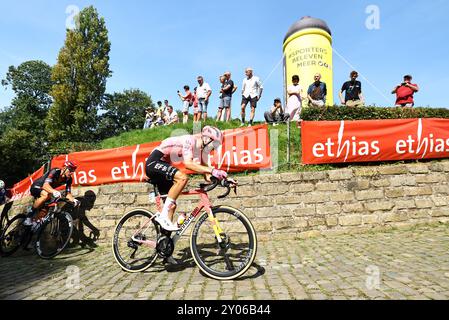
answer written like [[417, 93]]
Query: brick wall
[[308, 204]]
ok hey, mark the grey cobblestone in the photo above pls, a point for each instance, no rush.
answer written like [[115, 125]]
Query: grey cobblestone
[[410, 264]]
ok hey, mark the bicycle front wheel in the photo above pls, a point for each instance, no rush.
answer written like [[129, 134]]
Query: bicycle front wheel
[[232, 257], [12, 236], [135, 240], [54, 235]]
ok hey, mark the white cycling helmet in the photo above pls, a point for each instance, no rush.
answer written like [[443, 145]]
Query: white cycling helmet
[[2, 184]]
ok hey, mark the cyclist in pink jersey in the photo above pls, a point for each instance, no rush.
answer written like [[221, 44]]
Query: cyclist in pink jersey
[[168, 179]]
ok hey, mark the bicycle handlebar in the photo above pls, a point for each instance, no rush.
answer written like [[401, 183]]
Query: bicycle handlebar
[[215, 183]]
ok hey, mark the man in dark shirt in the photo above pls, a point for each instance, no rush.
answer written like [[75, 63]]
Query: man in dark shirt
[[353, 92], [44, 188], [227, 91]]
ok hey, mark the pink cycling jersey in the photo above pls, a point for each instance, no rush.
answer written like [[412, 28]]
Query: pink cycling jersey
[[178, 149]]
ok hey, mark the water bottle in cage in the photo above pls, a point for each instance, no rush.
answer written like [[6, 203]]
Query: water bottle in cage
[[181, 219]]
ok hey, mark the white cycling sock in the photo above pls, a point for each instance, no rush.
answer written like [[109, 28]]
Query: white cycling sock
[[167, 205]]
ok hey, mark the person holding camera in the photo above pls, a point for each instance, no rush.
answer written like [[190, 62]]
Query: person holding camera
[[149, 118], [404, 92], [187, 103]]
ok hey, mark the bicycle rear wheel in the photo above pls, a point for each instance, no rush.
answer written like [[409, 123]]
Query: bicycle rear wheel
[[12, 236], [135, 240], [234, 256], [54, 235]]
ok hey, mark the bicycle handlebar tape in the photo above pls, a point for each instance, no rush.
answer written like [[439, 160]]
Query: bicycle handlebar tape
[[307, 51]]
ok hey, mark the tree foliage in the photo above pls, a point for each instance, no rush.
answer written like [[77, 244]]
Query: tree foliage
[[80, 80], [22, 133], [123, 112]]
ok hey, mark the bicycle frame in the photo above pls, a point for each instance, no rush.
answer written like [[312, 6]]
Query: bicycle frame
[[203, 204]]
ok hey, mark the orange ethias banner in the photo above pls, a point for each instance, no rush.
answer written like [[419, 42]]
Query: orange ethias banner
[[22, 189], [374, 140], [243, 149]]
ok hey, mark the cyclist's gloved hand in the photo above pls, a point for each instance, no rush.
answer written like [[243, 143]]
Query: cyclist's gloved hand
[[219, 174], [56, 194], [76, 203]]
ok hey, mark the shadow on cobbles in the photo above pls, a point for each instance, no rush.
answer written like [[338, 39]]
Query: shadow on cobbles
[[81, 221], [185, 261], [20, 273]]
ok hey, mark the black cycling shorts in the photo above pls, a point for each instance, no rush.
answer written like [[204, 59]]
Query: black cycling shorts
[[35, 192], [160, 173]]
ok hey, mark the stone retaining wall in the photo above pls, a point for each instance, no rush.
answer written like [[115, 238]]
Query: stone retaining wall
[[307, 204]]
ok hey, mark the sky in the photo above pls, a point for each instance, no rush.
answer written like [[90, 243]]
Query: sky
[[160, 46]]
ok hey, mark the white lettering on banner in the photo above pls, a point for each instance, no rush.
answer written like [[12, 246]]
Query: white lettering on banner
[[351, 146], [115, 172], [139, 166], [240, 154], [120, 173], [422, 144], [83, 177], [245, 156]]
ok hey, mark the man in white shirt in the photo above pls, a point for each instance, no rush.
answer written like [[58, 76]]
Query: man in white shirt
[[251, 92], [203, 92], [172, 117]]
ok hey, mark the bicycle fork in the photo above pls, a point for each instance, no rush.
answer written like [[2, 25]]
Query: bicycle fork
[[215, 226]]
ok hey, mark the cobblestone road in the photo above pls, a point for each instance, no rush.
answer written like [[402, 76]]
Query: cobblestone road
[[400, 264]]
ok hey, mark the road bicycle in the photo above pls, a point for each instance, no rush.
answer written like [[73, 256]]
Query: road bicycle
[[223, 241], [53, 229]]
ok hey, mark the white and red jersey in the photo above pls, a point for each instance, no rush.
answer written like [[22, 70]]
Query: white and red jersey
[[179, 149]]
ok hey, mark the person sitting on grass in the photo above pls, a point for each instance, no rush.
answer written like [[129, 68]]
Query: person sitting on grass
[[276, 114], [172, 117]]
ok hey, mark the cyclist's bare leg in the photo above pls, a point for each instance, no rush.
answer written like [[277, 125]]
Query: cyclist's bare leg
[[179, 183], [39, 202]]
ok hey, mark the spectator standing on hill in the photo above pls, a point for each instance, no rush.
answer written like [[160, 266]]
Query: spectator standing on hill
[[196, 115], [251, 92], [276, 114], [221, 103], [404, 92], [353, 92], [203, 92], [166, 105], [294, 102], [317, 92], [149, 118], [187, 103], [172, 117], [228, 91], [160, 114]]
